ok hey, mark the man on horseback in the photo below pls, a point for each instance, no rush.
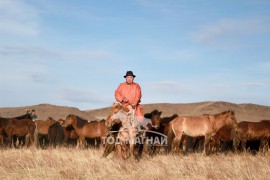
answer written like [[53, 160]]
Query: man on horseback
[[129, 95], [33, 115]]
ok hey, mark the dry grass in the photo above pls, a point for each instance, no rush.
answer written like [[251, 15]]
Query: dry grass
[[70, 163]]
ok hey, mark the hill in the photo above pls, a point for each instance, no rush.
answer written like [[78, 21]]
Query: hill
[[44, 111], [244, 112]]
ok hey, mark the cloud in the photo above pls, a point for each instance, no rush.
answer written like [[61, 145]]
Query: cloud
[[18, 72], [81, 96], [22, 50], [19, 18], [231, 29], [254, 84], [168, 87]]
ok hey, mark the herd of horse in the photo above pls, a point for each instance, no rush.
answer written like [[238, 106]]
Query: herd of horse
[[207, 133]]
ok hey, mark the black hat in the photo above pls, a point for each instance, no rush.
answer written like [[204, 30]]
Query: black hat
[[129, 73]]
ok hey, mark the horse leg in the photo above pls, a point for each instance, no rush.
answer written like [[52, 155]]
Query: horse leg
[[184, 143], [109, 145], [176, 143], [206, 145], [132, 146], [263, 145], [118, 146], [117, 152], [243, 145], [14, 141], [82, 142], [124, 149]]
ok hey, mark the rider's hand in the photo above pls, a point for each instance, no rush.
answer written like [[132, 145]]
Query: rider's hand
[[125, 100], [133, 105]]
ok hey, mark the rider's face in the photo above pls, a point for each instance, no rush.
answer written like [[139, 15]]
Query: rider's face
[[129, 79]]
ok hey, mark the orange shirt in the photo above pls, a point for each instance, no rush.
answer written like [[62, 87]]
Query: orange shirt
[[130, 91]]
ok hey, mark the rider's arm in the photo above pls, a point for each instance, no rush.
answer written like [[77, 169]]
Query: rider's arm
[[118, 93], [138, 95]]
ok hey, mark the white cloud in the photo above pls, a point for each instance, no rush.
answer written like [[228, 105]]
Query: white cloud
[[22, 50], [18, 17], [231, 29], [254, 84]]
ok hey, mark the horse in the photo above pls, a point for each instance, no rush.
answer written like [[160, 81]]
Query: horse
[[41, 133], [164, 123], [85, 129], [56, 133], [188, 143], [13, 127], [3, 135], [253, 131], [205, 125], [150, 130], [224, 139], [127, 133]]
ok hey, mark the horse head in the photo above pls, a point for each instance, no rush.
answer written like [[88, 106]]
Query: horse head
[[155, 118], [230, 118], [117, 115], [69, 120], [51, 120]]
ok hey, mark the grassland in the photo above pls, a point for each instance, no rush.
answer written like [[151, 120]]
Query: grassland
[[71, 163]]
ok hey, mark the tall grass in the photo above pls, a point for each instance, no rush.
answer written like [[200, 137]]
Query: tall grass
[[70, 163]]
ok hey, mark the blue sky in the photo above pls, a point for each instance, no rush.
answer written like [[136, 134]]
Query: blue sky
[[75, 53]]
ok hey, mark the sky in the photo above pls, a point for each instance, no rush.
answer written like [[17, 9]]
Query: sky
[[75, 53]]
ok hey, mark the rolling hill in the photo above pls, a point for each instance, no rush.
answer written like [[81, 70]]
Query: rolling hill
[[244, 112]]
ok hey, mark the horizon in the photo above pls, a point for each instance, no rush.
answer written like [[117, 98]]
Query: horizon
[[75, 54], [141, 104]]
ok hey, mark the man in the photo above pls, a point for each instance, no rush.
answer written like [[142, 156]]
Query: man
[[129, 94], [33, 115]]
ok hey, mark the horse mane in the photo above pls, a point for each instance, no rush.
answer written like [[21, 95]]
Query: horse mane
[[225, 112], [4, 121], [154, 112], [169, 119], [25, 116], [80, 121], [118, 106], [50, 118], [148, 115]]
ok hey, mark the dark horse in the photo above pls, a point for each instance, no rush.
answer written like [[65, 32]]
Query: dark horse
[[252, 131], [151, 132], [86, 129], [225, 139], [17, 128]]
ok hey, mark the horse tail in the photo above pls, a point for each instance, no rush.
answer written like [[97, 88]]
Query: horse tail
[[170, 137], [36, 140], [235, 139], [50, 136], [60, 136]]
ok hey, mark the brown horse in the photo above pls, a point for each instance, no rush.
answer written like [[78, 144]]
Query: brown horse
[[254, 131], [205, 125], [150, 130], [41, 133], [13, 127], [226, 135], [3, 134], [127, 133], [85, 129]]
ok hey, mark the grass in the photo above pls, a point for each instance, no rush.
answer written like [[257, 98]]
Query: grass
[[71, 163]]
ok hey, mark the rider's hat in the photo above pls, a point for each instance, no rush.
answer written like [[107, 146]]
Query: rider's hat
[[129, 73]]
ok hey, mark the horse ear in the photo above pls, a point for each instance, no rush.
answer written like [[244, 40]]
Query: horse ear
[[160, 112]]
